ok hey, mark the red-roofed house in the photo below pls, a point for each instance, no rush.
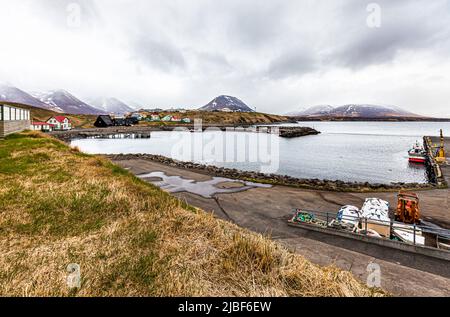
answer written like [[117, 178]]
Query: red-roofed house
[[41, 126], [60, 123]]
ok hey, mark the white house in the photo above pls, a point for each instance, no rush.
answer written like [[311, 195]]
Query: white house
[[60, 123], [41, 126], [155, 117]]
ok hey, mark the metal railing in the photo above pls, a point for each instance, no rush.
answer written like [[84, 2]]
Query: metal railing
[[362, 225]]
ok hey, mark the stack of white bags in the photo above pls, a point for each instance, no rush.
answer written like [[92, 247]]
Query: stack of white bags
[[375, 209]]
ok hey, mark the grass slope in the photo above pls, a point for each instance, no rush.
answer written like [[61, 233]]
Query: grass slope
[[59, 206]]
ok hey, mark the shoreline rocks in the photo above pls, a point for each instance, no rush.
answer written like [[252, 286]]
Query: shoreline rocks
[[69, 135], [275, 179]]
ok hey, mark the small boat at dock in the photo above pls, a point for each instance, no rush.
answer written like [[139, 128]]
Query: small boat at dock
[[417, 154]]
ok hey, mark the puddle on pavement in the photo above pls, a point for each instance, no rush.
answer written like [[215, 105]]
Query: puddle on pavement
[[207, 189]]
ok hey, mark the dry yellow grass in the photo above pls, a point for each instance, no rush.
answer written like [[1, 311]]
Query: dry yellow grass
[[59, 206], [231, 118]]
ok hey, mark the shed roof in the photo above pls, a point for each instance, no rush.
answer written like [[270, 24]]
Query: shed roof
[[106, 119]]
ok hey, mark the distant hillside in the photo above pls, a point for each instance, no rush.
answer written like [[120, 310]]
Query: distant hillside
[[355, 111], [315, 110], [227, 103], [225, 118], [78, 120], [66, 102], [111, 105], [13, 94]]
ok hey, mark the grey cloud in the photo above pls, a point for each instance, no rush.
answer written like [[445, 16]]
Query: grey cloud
[[405, 25], [242, 47], [161, 55], [257, 24], [213, 62], [292, 63]]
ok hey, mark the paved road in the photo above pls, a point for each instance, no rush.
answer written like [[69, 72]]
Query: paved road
[[266, 210]]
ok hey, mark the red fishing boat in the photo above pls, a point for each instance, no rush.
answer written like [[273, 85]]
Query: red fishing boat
[[417, 154]]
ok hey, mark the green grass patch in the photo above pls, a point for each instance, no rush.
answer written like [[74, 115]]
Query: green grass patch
[[59, 206]]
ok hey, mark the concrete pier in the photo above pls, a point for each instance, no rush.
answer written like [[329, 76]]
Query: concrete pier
[[439, 174]]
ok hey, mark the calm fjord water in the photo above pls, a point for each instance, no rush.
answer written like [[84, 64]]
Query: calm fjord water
[[350, 151]]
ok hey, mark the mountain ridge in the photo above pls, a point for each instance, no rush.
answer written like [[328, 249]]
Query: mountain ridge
[[66, 102], [111, 105], [355, 111], [225, 103], [13, 94]]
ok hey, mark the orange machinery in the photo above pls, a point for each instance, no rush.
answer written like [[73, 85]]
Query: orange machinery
[[408, 210], [440, 154]]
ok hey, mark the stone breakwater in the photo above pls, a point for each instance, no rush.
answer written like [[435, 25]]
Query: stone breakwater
[[295, 132], [329, 185], [145, 131]]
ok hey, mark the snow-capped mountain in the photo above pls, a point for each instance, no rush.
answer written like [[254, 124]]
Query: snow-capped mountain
[[66, 102], [226, 103], [321, 109], [111, 105], [354, 111], [13, 94]]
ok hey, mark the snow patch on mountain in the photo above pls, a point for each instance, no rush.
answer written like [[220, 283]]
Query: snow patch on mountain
[[66, 102], [111, 105], [14, 94], [226, 103], [354, 111]]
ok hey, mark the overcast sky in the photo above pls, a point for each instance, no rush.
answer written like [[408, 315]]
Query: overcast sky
[[278, 56]]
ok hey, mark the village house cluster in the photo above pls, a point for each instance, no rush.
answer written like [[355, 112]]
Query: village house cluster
[[156, 116], [134, 118]]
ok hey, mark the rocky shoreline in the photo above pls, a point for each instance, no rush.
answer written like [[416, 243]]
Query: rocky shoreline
[[145, 131], [295, 132], [284, 180]]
